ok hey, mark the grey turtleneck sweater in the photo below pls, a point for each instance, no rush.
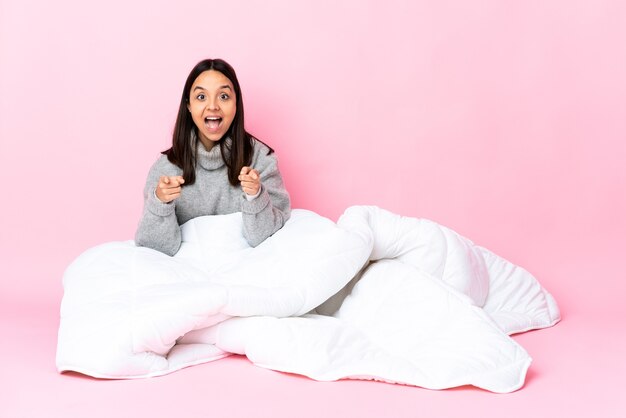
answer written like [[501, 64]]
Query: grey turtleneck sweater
[[212, 194]]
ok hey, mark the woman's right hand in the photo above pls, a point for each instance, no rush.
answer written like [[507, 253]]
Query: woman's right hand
[[169, 188]]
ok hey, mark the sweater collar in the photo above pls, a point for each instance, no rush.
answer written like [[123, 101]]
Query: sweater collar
[[211, 160]]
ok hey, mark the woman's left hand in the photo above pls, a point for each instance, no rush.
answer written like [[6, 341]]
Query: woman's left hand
[[250, 181]]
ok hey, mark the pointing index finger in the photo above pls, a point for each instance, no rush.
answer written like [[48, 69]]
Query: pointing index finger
[[177, 179]]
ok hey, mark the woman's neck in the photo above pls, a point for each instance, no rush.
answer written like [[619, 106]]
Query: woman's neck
[[207, 143]]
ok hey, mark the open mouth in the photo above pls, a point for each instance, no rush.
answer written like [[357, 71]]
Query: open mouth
[[212, 122]]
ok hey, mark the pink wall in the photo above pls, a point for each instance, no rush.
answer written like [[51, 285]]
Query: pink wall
[[506, 122]]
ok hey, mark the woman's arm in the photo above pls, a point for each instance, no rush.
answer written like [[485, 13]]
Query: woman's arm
[[158, 228], [268, 212]]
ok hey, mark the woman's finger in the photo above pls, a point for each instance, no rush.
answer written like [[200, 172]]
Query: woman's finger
[[170, 186], [249, 184], [177, 179], [250, 189], [167, 193], [248, 179], [168, 197]]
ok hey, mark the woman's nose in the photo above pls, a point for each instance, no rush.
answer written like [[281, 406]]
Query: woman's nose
[[213, 104]]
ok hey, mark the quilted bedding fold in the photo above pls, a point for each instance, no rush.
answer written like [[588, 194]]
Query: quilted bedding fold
[[375, 296]]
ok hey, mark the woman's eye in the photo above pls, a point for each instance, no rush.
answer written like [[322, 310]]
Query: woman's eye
[[200, 97], [224, 96]]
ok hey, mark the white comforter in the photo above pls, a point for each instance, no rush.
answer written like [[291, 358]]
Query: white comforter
[[375, 296]]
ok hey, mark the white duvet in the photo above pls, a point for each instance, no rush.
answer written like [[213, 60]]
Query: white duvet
[[375, 296]]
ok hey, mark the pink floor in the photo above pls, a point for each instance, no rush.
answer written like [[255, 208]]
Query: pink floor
[[577, 371]]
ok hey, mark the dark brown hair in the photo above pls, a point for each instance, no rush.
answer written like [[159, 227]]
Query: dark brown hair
[[236, 153]]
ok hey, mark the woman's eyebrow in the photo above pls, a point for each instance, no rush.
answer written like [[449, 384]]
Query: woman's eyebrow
[[225, 86]]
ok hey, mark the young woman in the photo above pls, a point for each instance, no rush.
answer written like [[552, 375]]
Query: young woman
[[214, 166]]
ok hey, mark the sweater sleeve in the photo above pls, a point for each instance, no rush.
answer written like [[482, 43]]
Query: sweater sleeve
[[158, 228], [269, 211]]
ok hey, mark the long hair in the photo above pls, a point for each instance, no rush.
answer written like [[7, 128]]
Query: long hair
[[236, 153]]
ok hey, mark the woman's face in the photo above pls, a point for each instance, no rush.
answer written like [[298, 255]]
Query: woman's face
[[213, 105]]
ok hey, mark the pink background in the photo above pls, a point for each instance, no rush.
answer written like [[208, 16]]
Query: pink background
[[504, 120]]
